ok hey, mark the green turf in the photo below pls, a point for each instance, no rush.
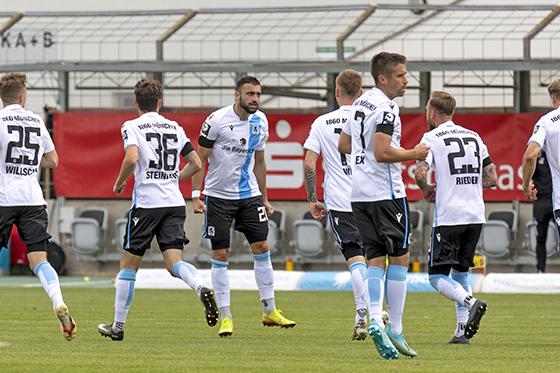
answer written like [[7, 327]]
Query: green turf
[[166, 332]]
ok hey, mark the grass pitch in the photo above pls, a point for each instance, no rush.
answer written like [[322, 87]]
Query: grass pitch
[[166, 331]]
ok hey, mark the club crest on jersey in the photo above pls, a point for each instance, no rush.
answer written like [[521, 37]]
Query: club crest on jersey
[[211, 231], [399, 217], [255, 130], [536, 129], [388, 118], [135, 220], [231, 127], [243, 141], [336, 220]]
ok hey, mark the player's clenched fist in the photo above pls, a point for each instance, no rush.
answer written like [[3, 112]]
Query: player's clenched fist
[[422, 151]]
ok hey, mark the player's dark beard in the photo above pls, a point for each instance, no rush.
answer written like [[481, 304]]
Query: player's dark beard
[[246, 107]]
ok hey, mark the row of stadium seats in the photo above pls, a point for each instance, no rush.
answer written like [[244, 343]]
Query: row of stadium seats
[[312, 241]]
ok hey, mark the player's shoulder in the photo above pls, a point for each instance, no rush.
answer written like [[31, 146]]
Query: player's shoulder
[[335, 117], [261, 116], [222, 115], [552, 116]]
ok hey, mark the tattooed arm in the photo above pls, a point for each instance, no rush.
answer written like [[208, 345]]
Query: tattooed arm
[[316, 208]]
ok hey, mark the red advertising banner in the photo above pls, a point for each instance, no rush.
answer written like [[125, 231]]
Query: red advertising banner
[[90, 150]]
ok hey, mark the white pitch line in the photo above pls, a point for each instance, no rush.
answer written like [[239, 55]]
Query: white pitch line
[[4, 344]]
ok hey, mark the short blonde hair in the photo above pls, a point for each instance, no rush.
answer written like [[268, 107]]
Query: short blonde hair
[[554, 88], [442, 102], [349, 82], [12, 85]]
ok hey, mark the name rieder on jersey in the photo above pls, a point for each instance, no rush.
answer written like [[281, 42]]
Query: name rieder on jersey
[[458, 156]]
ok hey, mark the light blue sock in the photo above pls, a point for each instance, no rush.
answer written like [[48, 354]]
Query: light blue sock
[[220, 282], [375, 281], [396, 295], [124, 293], [49, 280], [358, 273], [461, 311], [188, 273]]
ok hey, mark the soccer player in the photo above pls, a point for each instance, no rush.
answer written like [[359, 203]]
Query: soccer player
[[463, 167], [546, 137], [25, 146], [323, 139], [233, 140], [152, 146], [373, 134]]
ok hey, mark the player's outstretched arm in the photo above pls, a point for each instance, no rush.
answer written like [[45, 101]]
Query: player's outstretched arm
[[202, 153], [345, 143], [316, 208], [421, 176], [260, 173], [529, 163], [489, 176], [49, 160], [384, 152], [127, 168], [192, 167]]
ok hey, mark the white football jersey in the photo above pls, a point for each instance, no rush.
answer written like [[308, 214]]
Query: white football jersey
[[371, 180], [458, 157], [547, 134], [23, 141], [233, 142], [160, 143], [323, 139]]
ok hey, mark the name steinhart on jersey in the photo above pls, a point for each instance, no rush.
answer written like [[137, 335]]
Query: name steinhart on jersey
[[21, 171], [162, 175]]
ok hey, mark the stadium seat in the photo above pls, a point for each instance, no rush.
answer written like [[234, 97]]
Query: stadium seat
[[308, 239], [495, 239], [531, 238], [120, 231], [509, 217], [87, 230], [276, 232]]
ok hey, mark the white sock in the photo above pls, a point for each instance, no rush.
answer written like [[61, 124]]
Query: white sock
[[461, 311], [220, 282], [124, 293], [188, 273], [451, 289], [396, 296], [49, 279], [375, 290], [264, 276], [358, 272]]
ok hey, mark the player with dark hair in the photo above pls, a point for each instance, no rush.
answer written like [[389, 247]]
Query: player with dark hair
[[373, 135], [233, 141], [152, 146]]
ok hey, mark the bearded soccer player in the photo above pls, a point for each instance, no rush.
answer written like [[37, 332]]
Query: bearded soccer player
[[463, 168], [152, 146], [25, 146], [233, 141]]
